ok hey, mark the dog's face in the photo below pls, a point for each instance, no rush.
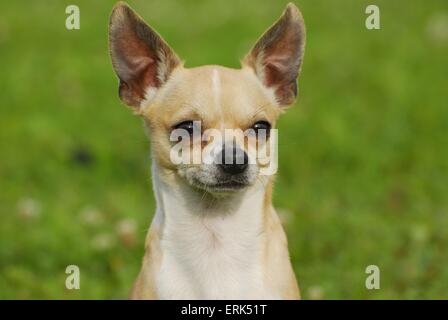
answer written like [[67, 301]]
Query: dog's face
[[220, 119]]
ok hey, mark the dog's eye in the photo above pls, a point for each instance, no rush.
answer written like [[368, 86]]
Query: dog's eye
[[261, 125], [186, 125]]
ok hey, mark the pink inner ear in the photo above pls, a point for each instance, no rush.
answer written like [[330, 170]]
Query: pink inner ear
[[137, 67], [275, 67], [281, 63], [134, 66], [140, 63], [138, 55]]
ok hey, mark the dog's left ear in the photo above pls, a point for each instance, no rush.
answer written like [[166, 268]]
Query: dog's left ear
[[142, 60], [277, 56]]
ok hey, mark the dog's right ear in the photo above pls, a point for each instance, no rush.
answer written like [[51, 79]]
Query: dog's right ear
[[141, 58]]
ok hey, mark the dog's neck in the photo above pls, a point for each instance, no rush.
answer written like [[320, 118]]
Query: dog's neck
[[179, 205], [204, 240]]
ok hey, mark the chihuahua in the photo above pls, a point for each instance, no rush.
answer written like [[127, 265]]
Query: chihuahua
[[215, 233]]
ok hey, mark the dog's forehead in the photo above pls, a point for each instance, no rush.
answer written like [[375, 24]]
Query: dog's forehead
[[225, 93]]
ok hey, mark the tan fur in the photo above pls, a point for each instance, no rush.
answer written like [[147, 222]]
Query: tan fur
[[144, 286], [221, 98]]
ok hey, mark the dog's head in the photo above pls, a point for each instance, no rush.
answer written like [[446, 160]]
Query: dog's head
[[210, 126]]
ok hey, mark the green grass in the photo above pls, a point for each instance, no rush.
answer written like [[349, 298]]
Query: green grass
[[363, 176]]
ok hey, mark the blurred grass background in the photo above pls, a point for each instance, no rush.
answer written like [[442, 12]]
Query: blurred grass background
[[363, 155]]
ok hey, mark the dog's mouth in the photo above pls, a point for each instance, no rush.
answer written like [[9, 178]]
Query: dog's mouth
[[228, 185], [222, 186]]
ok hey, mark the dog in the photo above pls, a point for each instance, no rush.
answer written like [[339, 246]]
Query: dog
[[215, 233]]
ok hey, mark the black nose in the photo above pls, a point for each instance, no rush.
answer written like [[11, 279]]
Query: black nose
[[233, 160]]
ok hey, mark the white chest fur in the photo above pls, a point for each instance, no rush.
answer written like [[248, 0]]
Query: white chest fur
[[207, 256]]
